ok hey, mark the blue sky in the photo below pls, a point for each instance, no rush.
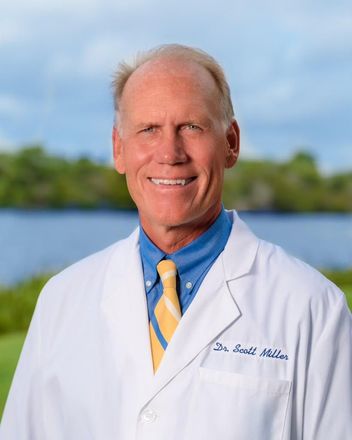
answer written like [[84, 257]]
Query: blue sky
[[289, 65]]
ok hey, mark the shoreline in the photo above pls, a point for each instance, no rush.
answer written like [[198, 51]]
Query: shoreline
[[113, 209]]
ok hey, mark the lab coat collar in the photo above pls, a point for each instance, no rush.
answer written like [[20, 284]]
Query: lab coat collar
[[240, 250]]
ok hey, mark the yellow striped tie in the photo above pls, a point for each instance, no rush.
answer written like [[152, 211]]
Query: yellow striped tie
[[167, 313]]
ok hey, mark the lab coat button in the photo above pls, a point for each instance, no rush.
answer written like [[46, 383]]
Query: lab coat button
[[148, 416]]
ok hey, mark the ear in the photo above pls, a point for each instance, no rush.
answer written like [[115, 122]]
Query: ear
[[119, 161], [233, 144]]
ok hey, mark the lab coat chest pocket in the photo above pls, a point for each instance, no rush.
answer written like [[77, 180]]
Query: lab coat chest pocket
[[231, 406]]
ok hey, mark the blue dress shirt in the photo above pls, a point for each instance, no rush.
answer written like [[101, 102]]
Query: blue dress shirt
[[193, 261]]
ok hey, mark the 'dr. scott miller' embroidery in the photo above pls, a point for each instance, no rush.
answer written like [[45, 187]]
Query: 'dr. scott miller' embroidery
[[263, 352]]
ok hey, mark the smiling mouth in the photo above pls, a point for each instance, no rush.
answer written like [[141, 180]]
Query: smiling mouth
[[171, 182]]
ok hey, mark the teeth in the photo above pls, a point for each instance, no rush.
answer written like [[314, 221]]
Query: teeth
[[170, 181]]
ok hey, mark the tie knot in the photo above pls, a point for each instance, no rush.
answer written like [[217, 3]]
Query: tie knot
[[167, 271]]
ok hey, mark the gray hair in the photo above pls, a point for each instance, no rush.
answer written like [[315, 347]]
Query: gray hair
[[175, 51]]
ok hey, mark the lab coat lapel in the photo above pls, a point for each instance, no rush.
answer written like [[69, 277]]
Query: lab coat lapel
[[214, 307], [125, 308], [212, 310]]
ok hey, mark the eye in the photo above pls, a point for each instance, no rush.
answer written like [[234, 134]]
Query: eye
[[191, 127], [150, 129]]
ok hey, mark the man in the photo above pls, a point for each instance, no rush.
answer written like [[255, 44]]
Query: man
[[244, 343]]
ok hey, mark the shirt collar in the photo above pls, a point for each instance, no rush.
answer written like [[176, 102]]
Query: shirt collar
[[151, 255], [191, 260]]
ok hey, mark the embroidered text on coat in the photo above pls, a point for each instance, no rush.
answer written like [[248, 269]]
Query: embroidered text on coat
[[251, 350]]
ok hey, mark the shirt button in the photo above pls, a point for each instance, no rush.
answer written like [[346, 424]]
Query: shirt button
[[189, 285], [148, 416], [148, 283]]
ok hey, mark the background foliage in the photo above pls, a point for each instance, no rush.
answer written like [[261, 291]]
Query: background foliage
[[31, 178]]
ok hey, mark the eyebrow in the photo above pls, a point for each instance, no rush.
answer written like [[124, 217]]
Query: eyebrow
[[146, 124], [202, 121], [196, 121]]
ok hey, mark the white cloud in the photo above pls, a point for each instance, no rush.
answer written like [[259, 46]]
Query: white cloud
[[10, 32], [294, 99], [97, 57], [11, 106], [43, 8]]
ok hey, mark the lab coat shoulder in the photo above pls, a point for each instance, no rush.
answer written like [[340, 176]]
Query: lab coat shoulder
[[308, 299], [78, 289], [76, 283], [308, 287], [264, 273]]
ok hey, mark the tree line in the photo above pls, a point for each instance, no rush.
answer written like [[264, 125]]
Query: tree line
[[33, 178]]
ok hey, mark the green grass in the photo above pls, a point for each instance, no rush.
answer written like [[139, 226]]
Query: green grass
[[17, 303], [348, 292], [10, 348], [342, 279]]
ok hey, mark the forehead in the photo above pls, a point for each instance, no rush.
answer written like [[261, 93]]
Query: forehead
[[165, 79]]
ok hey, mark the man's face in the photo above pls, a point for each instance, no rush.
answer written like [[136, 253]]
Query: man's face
[[173, 145]]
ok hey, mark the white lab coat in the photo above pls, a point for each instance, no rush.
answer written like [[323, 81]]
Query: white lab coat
[[263, 353]]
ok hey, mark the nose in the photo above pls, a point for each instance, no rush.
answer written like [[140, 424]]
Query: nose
[[170, 150]]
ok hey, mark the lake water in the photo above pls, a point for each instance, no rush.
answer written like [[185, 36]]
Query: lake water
[[37, 241]]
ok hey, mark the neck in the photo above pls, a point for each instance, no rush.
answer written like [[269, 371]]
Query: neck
[[172, 238]]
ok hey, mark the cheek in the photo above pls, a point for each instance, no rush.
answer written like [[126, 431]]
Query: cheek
[[212, 163], [136, 165], [135, 159], [214, 170]]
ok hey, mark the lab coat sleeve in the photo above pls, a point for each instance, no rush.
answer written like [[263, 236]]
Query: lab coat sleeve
[[23, 410], [328, 405]]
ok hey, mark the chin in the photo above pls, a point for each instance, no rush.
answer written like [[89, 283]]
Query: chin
[[170, 218]]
